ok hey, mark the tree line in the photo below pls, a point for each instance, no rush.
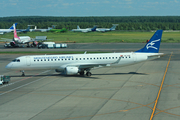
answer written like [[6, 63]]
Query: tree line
[[125, 22]]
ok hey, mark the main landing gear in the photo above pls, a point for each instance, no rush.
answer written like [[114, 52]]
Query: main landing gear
[[88, 73]]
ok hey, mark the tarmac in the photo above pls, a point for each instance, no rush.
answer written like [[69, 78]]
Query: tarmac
[[144, 91]]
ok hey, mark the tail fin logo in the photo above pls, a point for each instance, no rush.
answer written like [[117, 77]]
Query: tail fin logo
[[150, 45]]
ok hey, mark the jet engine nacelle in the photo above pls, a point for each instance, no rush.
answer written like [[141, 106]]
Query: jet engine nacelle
[[12, 43], [71, 70]]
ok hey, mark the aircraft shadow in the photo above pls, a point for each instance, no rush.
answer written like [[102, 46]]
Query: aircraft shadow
[[133, 73], [58, 75], [80, 76]]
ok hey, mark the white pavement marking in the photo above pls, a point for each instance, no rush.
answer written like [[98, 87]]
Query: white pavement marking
[[25, 84]]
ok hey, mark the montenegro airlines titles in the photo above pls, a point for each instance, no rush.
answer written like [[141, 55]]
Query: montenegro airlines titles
[[80, 63]]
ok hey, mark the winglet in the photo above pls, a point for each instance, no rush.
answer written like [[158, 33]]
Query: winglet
[[154, 43]]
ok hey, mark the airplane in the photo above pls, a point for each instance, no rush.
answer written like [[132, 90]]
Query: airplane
[[3, 31], [23, 40], [41, 30], [24, 30], [84, 30], [73, 64], [107, 29]]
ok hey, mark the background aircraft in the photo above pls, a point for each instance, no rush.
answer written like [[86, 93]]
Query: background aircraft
[[58, 30], [3, 31], [17, 40], [24, 30], [41, 30], [107, 29], [73, 64], [84, 30]]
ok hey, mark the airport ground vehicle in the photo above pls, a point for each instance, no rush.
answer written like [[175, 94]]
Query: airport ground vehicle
[[4, 79], [51, 45]]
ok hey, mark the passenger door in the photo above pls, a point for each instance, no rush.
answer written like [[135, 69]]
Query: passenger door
[[28, 61]]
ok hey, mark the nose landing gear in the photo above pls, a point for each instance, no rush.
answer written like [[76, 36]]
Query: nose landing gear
[[23, 74]]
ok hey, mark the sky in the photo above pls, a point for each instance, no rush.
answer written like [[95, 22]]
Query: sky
[[89, 8]]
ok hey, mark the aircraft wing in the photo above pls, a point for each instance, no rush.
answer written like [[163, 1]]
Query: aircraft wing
[[92, 65], [39, 38]]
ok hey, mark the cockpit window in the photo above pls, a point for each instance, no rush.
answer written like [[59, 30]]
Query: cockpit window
[[16, 60]]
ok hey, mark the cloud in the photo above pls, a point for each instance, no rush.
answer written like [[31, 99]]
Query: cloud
[[106, 2], [176, 1], [92, 2]]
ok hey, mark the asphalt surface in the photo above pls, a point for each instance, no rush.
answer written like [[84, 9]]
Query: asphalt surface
[[102, 47], [139, 92]]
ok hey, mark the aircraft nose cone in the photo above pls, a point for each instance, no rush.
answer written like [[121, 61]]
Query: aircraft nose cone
[[8, 66]]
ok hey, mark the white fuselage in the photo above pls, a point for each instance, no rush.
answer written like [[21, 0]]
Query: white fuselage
[[2, 31], [102, 29], [60, 62], [22, 39], [82, 30]]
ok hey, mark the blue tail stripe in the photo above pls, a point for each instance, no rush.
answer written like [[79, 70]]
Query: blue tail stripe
[[12, 26], [154, 43], [94, 28]]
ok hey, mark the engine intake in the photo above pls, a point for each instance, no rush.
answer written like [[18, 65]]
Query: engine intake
[[71, 70]]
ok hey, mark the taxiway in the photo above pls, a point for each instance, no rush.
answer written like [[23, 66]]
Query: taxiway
[[124, 93]]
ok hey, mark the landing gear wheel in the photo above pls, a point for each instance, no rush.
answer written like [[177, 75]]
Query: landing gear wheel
[[23, 74], [81, 73], [88, 74]]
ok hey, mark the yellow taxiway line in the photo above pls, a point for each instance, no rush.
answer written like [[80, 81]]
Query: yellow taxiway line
[[157, 98]]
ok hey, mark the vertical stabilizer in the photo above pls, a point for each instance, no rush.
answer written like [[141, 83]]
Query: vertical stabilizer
[[12, 26], [94, 28], [78, 27], [154, 43], [15, 32], [113, 27]]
